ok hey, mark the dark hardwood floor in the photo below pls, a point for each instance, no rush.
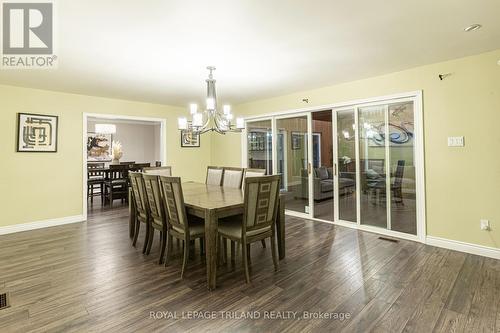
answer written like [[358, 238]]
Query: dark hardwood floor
[[88, 278]]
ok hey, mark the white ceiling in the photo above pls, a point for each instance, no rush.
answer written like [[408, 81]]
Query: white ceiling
[[157, 50]]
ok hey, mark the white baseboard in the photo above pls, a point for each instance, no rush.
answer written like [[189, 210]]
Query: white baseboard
[[479, 250], [41, 224]]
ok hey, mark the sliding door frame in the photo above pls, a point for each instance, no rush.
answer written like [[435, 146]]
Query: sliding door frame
[[416, 98]]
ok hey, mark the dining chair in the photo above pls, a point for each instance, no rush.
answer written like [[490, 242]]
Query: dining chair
[[95, 178], [157, 217], [214, 175], [180, 225], [232, 177], [141, 207], [252, 173], [116, 187], [159, 171], [258, 219]]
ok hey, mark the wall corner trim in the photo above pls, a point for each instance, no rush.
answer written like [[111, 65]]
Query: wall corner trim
[[479, 250], [41, 224]]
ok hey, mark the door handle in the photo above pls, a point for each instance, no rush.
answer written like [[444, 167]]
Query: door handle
[[335, 166], [309, 168]]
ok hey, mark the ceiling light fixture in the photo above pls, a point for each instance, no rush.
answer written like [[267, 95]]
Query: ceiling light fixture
[[473, 27], [105, 128], [210, 119]]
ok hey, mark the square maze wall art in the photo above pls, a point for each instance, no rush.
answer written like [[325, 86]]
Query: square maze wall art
[[36, 133]]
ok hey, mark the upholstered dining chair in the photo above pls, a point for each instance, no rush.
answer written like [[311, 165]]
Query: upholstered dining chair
[[214, 175], [159, 171], [258, 219], [180, 225], [232, 177], [157, 217], [252, 173], [141, 208]]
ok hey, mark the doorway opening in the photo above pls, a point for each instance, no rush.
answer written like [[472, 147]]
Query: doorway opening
[[113, 146]]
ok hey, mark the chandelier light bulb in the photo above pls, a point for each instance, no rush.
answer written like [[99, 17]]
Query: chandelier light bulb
[[182, 123], [240, 123], [197, 119], [193, 108], [227, 109]]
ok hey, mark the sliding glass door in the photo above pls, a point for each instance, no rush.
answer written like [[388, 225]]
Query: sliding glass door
[[259, 145], [354, 165], [346, 186], [293, 161]]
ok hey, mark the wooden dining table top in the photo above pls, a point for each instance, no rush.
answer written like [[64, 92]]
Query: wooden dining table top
[[211, 196]]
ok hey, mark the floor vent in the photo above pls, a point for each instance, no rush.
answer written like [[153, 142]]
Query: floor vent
[[389, 239], [4, 301]]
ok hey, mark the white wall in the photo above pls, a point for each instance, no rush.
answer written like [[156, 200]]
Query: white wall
[[140, 140]]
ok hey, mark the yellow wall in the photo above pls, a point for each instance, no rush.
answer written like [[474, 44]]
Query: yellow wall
[[462, 184], [40, 186]]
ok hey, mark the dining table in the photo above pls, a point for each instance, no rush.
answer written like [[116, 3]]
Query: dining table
[[211, 203]]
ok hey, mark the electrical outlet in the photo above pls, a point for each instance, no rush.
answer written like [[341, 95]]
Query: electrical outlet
[[456, 141], [485, 225]]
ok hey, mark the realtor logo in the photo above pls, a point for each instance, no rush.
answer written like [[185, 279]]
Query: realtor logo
[[27, 35]]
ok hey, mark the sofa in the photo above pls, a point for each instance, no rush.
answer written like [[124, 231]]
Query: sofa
[[323, 183]]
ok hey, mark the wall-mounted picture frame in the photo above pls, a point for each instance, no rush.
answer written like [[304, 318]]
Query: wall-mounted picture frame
[[297, 140], [99, 147], [37, 133], [190, 140]]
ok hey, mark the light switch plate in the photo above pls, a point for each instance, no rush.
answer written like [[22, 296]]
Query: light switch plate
[[485, 225], [456, 141]]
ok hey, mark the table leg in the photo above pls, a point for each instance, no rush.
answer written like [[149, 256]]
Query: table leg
[[211, 247], [280, 228]]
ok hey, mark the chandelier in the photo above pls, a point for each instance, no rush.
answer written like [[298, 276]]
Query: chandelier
[[210, 119]]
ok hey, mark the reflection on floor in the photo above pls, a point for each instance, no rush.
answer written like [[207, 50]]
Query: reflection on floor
[[373, 210]]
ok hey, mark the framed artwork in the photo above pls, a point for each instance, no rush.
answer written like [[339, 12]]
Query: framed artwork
[[99, 147], [297, 140], [37, 133], [190, 140]]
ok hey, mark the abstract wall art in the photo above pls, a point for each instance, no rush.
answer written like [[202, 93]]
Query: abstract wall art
[[36, 133]]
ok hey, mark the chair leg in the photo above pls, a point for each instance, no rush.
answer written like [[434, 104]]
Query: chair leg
[[163, 244], [248, 254], [245, 261], [263, 243], [273, 250], [224, 249], [169, 247], [186, 256], [202, 246], [150, 240], [111, 197], [102, 194], [146, 239], [233, 245], [136, 232], [91, 194]]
